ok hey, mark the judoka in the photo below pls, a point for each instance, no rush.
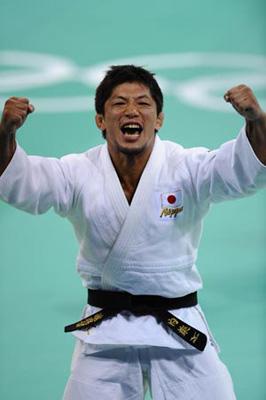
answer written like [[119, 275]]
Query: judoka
[[137, 204]]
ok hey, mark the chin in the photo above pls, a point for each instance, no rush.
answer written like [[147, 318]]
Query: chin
[[132, 150]]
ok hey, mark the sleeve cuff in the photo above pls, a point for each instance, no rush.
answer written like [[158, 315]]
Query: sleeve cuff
[[12, 171]]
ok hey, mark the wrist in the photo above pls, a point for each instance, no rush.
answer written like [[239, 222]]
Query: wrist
[[4, 132], [6, 135], [7, 150], [7, 143], [259, 122]]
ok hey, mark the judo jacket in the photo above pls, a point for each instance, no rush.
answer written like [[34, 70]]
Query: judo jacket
[[149, 246]]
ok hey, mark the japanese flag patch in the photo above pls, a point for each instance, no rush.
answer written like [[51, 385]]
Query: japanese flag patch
[[171, 204]]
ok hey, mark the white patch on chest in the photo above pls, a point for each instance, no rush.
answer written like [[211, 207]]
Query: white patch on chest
[[171, 204]]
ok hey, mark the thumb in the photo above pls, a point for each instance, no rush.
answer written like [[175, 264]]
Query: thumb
[[227, 97], [31, 108]]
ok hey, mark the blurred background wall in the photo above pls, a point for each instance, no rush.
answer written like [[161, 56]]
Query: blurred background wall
[[54, 52]]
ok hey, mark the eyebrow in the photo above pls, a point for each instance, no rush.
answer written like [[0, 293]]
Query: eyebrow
[[143, 96]]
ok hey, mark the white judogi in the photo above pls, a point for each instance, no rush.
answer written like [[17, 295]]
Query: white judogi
[[148, 247]]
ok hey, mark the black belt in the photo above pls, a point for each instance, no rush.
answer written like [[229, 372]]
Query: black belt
[[113, 303]]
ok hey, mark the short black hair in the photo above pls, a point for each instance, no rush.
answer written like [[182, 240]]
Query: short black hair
[[118, 74]]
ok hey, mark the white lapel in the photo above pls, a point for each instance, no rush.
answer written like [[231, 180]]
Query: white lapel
[[134, 212], [108, 208], [114, 188]]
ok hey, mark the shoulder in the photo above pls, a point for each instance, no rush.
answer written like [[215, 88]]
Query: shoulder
[[90, 156], [176, 153], [83, 167]]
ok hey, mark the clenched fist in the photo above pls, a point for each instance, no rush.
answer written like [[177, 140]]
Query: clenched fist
[[244, 101], [14, 114]]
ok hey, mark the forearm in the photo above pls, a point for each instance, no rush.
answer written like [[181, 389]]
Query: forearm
[[256, 133], [14, 114], [7, 149]]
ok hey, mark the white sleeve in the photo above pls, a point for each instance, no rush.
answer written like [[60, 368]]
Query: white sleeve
[[35, 184], [232, 171]]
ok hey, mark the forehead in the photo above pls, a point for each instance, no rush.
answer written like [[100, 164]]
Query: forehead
[[131, 89]]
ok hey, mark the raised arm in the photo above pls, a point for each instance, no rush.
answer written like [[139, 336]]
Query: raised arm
[[32, 183], [244, 101], [14, 115]]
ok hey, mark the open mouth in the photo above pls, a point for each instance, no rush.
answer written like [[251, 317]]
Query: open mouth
[[131, 129]]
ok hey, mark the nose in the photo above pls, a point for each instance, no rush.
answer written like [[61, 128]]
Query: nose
[[131, 110]]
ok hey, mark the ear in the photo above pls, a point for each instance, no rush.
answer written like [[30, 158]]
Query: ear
[[159, 121], [99, 119]]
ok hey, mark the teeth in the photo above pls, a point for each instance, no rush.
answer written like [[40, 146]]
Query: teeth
[[132, 126], [132, 129]]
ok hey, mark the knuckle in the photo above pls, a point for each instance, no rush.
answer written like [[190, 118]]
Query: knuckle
[[8, 102], [245, 89], [17, 101], [24, 100]]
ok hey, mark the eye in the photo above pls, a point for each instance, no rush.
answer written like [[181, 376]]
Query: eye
[[144, 103], [118, 103]]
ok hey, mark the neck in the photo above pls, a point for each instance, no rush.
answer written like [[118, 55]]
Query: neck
[[129, 168]]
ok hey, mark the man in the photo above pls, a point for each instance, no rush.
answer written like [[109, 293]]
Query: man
[[137, 204]]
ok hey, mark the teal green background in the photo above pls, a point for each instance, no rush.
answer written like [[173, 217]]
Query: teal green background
[[40, 291]]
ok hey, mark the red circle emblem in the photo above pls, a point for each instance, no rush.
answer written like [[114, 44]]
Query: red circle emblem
[[171, 199]]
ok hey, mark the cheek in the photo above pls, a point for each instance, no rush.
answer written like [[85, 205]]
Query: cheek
[[109, 122], [113, 118]]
